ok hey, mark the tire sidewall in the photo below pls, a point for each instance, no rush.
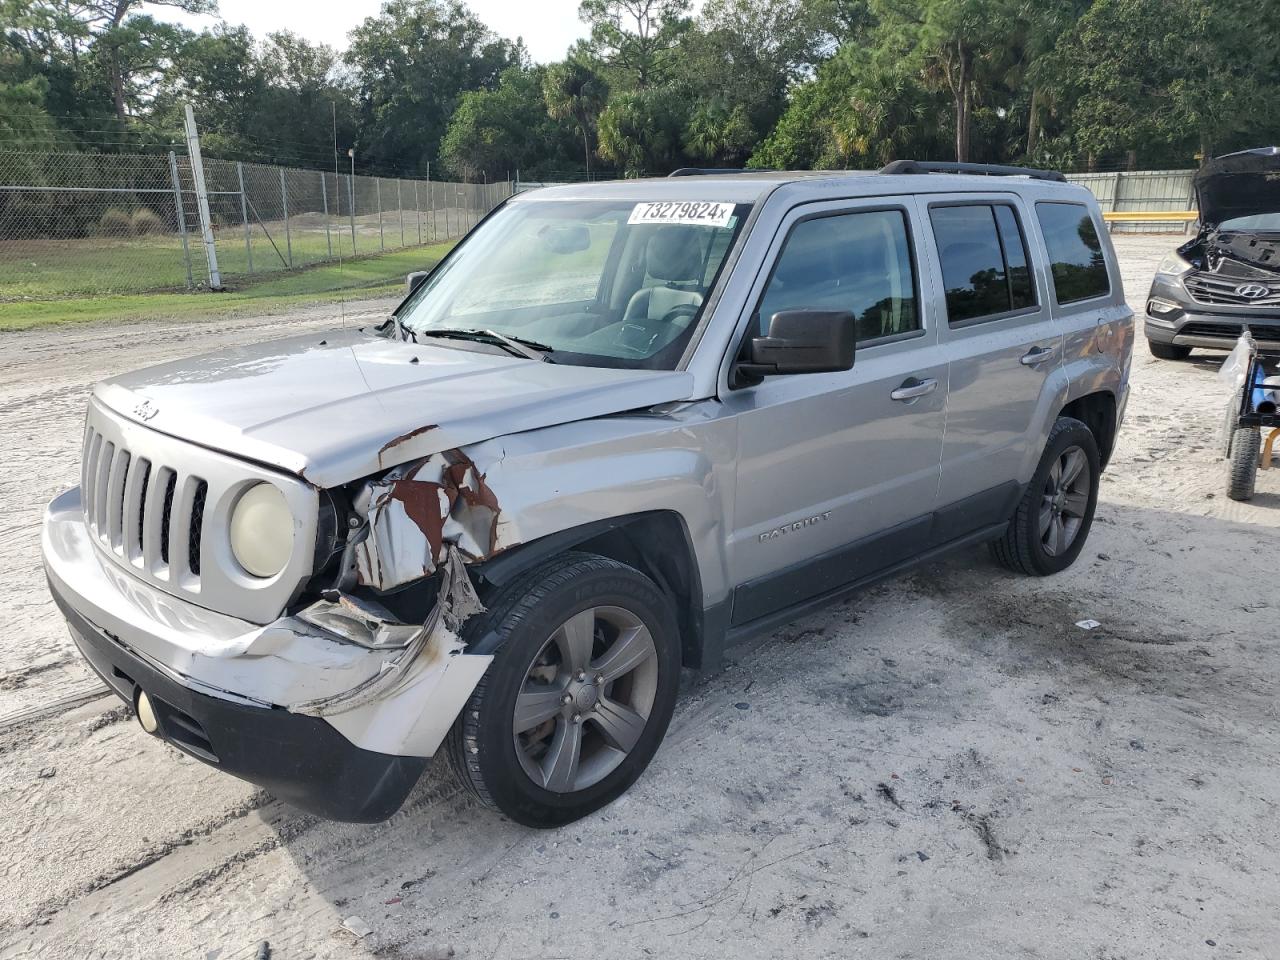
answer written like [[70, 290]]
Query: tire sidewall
[[1242, 463], [1071, 433], [591, 585]]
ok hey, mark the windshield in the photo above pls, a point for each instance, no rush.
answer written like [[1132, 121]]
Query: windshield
[[1259, 223], [598, 282]]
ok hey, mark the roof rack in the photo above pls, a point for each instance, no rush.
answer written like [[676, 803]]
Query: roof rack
[[987, 169], [713, 171]]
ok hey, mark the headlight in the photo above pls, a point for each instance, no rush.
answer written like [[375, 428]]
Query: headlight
[[1174, 265], [262, 530]]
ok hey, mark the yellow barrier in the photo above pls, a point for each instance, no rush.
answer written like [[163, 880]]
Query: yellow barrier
[[1150, 216]]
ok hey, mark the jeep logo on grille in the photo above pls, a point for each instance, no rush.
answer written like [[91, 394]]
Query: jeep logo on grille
[[1251, 291]]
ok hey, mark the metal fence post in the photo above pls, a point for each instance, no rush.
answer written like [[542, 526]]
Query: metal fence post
[[382, 239], [431, 189], [244, 215], [324, 199], [417, 211], [351, 195], [284, 201], [182, 216], [400, 209], [202, 197]]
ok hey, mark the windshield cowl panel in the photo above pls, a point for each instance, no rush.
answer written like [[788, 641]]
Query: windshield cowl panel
[[607, 283]]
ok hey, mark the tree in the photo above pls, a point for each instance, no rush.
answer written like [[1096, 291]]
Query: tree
[[736, 62], [135, 57], [641, 131], [720, 135], [574, 89], [218, 72], [411, 65], [123, 43], [498, 131], [636, 38], [857, 112], [23, 117], [961, 46], [1047, 23], [1168, 76]]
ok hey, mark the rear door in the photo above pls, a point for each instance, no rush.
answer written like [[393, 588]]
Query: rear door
[[1002, 344], [837, 472]]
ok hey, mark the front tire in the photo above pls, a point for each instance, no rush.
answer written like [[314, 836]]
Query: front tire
[[1168, 351], [583, 684], [1051, 524]]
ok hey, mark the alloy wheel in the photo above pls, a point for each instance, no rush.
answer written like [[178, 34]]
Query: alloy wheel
[[1064, 501], [585, 699]]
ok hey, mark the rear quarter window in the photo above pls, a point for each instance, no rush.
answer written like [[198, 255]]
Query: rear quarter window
[[1076, 260]]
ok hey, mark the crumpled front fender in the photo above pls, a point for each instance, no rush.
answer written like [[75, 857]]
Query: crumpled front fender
[[415, 512]]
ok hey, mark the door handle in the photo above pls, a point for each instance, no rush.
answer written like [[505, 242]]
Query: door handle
[[1037, 355], [913, 389]]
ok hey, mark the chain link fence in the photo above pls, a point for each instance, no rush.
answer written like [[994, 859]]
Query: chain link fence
[[78, 224]]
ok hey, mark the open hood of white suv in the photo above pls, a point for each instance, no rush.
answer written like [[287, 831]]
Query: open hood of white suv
[[336, 407]]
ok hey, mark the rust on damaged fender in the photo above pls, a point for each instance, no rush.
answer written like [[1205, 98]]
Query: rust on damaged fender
[[417, 510]]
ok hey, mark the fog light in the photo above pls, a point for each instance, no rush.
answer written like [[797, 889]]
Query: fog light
[[1159, 306], [146, 713]]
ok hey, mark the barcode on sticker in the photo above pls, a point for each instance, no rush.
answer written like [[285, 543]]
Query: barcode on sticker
[[703, 213]]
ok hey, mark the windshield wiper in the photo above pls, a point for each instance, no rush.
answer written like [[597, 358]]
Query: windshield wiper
[[519, 346]]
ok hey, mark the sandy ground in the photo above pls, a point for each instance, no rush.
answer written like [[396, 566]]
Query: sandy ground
[[944, 766]]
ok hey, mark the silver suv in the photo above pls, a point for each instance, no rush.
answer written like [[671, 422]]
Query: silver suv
[[620, 426]]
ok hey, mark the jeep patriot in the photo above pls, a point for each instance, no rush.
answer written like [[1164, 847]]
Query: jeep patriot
[[620, 426]]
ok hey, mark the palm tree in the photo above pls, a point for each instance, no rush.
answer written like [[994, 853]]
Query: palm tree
[[573, 90]]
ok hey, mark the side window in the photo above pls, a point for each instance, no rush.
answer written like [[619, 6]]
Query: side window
[[1075, 252], [860, 262], [1022, 290], [985, 266]]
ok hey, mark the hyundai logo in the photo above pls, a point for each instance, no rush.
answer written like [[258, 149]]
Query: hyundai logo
[[1251, 291]]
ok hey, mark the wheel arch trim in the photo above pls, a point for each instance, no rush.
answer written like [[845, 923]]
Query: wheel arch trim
[[656, 542]]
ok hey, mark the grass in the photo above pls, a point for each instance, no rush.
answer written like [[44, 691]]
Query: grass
[[368, 277], [118, 265]]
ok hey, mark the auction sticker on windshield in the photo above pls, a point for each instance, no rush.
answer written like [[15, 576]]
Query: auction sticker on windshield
[[702, 213]]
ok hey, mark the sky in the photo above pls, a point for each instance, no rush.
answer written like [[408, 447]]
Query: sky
[[548, 27]]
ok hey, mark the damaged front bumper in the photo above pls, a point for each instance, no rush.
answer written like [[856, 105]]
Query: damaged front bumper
[[330, 725]]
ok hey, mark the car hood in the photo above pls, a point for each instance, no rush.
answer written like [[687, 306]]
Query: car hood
[[1239, 185], [336, 407]]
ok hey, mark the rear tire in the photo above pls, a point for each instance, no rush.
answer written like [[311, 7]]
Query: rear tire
[[582, 686], [1052, 521], [1242, 476], [1168, 351]]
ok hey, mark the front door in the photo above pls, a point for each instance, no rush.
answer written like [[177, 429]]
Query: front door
[[838, 472]]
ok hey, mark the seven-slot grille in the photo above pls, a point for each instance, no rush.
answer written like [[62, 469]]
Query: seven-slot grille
[[159, 507], [149, 514], [1221, 291]]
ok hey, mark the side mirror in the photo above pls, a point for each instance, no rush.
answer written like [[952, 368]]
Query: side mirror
[[802, 341]]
